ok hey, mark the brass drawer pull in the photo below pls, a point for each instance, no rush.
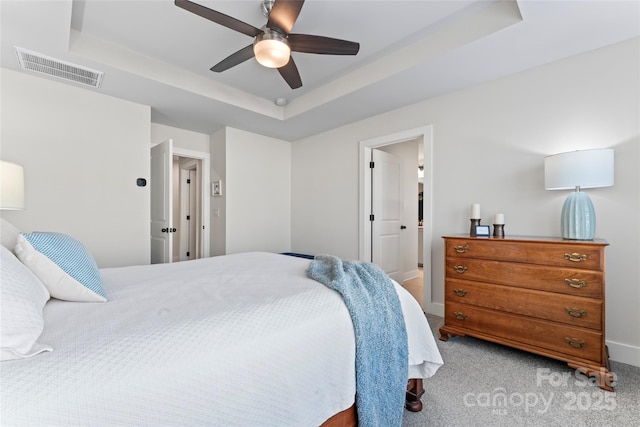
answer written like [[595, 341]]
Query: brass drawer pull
[[575, 257], [576, 283], [576, 312], [461, 249], [460, 269], [460, 292], [575, 342], [460, 316]]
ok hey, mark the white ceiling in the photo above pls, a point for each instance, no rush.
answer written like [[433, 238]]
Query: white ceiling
[[157, 54]]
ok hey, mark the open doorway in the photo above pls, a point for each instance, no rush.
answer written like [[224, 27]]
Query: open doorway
[[425, 134], [193, 201], [187, 208], [179, 203]]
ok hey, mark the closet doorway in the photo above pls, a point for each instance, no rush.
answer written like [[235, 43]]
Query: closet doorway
[[179, 204], [187, 206]]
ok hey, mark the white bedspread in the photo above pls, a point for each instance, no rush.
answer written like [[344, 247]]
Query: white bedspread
[[244, 340]]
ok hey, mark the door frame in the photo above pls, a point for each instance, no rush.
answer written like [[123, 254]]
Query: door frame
[[364, 249], [206, 195]]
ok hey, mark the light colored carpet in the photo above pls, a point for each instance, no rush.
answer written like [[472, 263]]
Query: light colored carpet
[[486, 384]]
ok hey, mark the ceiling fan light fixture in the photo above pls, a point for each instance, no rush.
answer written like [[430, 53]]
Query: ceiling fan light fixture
[[272, 44], [271, 49]]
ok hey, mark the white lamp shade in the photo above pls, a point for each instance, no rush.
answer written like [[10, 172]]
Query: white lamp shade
[[582, 168], [272, 53], [11, 186]]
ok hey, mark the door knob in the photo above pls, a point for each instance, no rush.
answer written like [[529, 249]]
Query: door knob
[[403, 227], [165, 230]]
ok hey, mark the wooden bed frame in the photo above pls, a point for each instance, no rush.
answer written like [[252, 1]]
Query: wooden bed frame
[[349, 417]]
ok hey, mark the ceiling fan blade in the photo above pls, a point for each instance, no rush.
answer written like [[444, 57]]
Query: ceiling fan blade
[[234, 59], [307, 43], [284, 14], [290, 74], [219, 18]]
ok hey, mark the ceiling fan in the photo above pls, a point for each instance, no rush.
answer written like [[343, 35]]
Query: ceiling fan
[[274, 42]]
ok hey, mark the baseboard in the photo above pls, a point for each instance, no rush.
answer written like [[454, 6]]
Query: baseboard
[[408, 275], [624, 353], [435, 308]]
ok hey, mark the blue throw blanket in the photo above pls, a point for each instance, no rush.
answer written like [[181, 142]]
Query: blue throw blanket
[[381, 336]]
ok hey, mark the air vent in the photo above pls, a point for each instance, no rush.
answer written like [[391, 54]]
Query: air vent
[[34, 61]]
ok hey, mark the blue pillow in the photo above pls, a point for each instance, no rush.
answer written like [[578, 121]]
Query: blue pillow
[[63, 264]]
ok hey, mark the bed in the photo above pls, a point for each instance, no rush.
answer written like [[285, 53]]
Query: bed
[[243, 339]]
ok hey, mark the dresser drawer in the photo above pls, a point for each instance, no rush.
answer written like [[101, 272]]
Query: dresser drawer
[[573, 255], [586, 283], [567, 309], [513, 329]]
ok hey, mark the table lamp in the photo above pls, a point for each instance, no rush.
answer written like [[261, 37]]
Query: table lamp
[[578, 170]]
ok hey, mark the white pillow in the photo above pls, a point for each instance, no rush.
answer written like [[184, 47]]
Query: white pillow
[[22, 297], [63, 264], [8, 234]]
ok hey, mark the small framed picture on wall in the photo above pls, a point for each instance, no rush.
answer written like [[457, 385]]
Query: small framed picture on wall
[[216, 188]]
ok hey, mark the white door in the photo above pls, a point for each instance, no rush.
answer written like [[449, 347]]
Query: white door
[[387, 213], [161, 202]]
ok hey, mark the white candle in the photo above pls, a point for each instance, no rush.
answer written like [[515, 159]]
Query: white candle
[[498, 219], [475, 211]]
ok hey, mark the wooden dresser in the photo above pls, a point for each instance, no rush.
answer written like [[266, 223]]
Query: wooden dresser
[[539, 294]]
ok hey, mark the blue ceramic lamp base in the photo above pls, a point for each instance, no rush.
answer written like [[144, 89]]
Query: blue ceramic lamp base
[[578, 217]]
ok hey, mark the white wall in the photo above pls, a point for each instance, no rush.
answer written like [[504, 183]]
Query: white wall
[[182, 138], [489, 147], [256, 191], [82, 153], [218, 142], [324, 193]]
